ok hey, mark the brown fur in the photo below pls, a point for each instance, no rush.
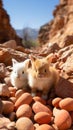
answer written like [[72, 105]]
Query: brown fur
[[42, 76]]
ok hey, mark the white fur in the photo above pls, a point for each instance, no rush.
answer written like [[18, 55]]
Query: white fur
[[19, 73]]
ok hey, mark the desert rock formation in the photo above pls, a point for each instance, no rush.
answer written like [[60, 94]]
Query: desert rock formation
[[6, 30], [60, 29]]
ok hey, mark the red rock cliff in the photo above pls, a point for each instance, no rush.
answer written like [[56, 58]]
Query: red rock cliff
[[6, 30], [60, 29]]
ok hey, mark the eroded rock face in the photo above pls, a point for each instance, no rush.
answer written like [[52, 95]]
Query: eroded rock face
[[7, 32], [60, 29]]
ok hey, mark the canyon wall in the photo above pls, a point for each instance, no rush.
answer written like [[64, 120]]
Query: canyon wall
[[60, 29], [7, 32]]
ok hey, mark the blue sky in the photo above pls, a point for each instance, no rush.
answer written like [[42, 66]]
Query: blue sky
[[31, 13]]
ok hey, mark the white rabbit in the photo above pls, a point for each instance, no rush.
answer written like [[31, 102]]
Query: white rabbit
[[19, 74]]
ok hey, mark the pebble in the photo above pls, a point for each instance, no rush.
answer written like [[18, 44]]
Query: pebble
[[36, 125], [18, 93], [25, 98], [7, 81], [24, 111], [39, 107], [42, 118], [24, 123], [67, 104], [63, 120], [4, 91], [8, 107], [37, 98], [55, 101], [12, 99], [11, 126], [12, 116], [45, 127], [3, 122], [12, 91]]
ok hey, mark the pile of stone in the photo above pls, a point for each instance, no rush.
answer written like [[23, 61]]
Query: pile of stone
[[19, 110]]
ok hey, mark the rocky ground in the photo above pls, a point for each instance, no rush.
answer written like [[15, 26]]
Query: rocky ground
[[18, 109]]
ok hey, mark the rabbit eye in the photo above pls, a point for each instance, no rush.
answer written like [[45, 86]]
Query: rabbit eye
[[22, 72], [36, 70], [45, 70]]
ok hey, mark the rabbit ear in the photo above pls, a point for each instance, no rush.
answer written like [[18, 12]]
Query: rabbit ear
[[49, 57], [33, 58], [27, 63], [14, 62]]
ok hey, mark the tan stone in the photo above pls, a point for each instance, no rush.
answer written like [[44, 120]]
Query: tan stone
[[24, 123], [24, 111], [3, 122], [37, 98], [66, 103], [25, 98], [45, 127], [62, 119], [8, 107], [55, 101], [4, 91], [42, 118], [7, 81], [6, 55], [64, 88], [3, 71], [39, 107], [10, 44]]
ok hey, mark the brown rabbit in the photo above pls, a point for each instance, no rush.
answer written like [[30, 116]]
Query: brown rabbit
[[41, 75]]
